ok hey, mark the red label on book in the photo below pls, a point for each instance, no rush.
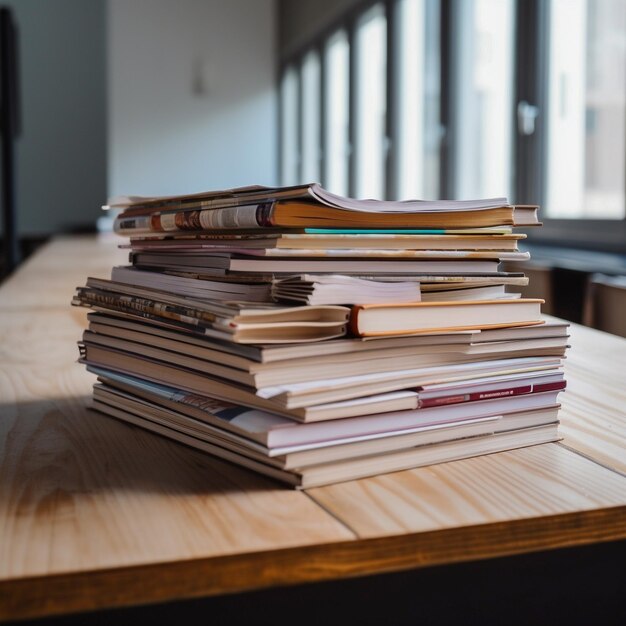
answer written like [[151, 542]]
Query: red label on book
[[491, 394]]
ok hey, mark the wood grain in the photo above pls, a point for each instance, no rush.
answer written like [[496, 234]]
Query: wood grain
[[38, 355], [48, 278], [95, 589], [532, 482], [593, 419]]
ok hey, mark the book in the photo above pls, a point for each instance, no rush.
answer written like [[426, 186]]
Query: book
[[293, 363], [234, 321], [481, 230], [469, 292], [236, 252], [397, 319], [249, 432], [291, 214], [253, 374], [447, 281], [241, 252], [340, 289], [352, 468], [323, 391], [357, 347], [332, 241], [224, 263], [471, 282], [310, 192], [398, 342], [263, 358], [314, 289], [442, 280], [549, 328], [281, 433], [287, 398], [273, 431], [105, 321], [307, 206], [223, 291], [243, 233], [290, 458]]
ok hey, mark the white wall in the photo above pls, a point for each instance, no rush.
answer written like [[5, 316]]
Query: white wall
[[192, 103]]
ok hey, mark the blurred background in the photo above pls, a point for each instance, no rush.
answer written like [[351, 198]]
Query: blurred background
[[388, 99]]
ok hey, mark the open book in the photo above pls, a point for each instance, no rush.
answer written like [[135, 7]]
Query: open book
[[312, 192], [307, 206]]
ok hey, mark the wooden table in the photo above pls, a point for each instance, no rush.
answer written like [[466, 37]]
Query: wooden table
[[98, 514]]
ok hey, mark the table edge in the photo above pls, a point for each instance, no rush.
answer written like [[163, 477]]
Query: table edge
[[74, 592]]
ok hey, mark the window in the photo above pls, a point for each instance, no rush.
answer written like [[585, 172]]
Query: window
[[371, 103], [586, 109], [289, 125], [337, 111], [417, 99], [468, 98], [484, 92], [311, 118]]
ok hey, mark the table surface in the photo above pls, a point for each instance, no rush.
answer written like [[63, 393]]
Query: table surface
[[96, 513]]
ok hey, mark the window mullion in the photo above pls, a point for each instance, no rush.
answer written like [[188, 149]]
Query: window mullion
[[447, 181], [391, 112], [352, 107], [321, 142], [299, 120], [530, 91]]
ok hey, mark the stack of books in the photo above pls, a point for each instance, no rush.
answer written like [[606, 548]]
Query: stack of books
[[317, 339]]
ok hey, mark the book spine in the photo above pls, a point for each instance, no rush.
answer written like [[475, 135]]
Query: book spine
[[181, 326], [144, 307], [218, 201], [239, 217], [124, 225], [490, 395]]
